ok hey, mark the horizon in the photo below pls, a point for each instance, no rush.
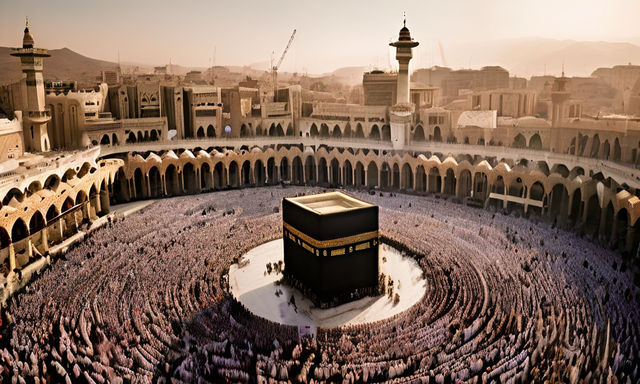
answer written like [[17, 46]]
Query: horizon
[[324, 42]]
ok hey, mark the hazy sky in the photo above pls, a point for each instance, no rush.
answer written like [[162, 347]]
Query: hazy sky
[[330, 34]]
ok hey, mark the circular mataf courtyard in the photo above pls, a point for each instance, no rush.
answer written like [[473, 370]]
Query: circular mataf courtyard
[[501, 298], [264, 295]]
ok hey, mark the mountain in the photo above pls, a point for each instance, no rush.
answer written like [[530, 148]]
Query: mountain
[[64, 64], [535, 56], [521, 57], [348, 75]]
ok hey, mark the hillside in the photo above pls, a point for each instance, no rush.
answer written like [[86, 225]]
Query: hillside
[[535, 56], [521, 57], [64, 64]]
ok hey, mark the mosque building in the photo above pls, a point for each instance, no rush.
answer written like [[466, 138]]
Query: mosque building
[[454, 226]]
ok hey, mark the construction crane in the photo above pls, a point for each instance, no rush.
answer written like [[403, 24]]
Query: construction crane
[[274, 68], [444, 61]]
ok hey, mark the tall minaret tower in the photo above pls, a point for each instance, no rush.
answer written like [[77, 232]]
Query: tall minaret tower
[[559, 96], [35, 115], [401, 113], [403, 54]]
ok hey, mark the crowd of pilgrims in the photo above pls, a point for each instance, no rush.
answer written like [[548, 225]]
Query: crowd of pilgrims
[[144, 299]]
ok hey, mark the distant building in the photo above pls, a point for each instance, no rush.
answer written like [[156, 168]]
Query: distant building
[[110, 77], [507, 102], [517, 82], [621, 77], [380, 89], [248, 83], [11, 140], [455, 83], [162, 70], [148, 98], [202, 112], [194, 77], [61, 85]]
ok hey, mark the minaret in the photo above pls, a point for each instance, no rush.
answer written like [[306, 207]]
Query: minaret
[[559, 96], [35, 115], [403, 54], [400, 114]]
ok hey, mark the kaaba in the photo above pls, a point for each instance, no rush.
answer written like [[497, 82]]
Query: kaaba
[[331, 246]]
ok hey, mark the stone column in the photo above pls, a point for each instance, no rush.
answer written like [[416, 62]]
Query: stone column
[[132, 186], [630, 239], [104, 202], [12, 258], [94, 202], [614, 230], [61, 224], [427, 182], [86, 211], [603, 222], [44, 237]]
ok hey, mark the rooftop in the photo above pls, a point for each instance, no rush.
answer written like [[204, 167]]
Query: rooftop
[[329, 202]]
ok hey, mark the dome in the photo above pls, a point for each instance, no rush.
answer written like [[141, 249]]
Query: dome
[[405, 35], [27, 40]]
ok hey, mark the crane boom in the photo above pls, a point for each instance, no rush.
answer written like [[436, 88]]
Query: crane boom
[[274, 68], [286, 49], [444, 61]]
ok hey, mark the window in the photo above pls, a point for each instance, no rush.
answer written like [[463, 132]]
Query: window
[[475, 103]]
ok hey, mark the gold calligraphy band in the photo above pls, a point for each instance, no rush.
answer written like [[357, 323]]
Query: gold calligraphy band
[[339, 242]]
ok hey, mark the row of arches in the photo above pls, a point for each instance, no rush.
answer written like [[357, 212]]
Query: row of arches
[[535, 142], [376, 132], [43, 219], [38, 190], [583, 145], [567, 198], [133, 137], [209, 131], [275, 129]]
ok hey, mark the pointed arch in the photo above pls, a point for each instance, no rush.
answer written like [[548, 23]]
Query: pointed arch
[[535, 142], [19, 231], [313, 132], [437, 135], [418, 134], [372, 174], [519, 141], [375, 133]]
